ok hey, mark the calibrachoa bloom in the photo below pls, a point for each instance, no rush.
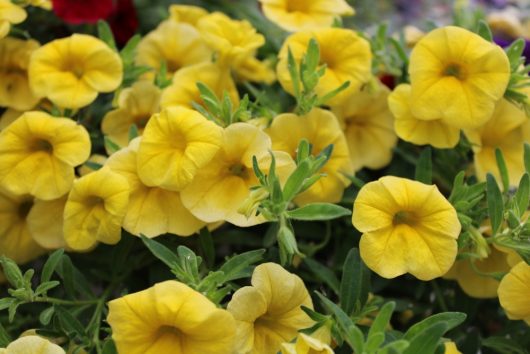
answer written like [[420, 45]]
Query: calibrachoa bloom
[[513, 293], [38, 154], [136, 105], [457, 76], [220, 188], [169, 318], [71, 71], [435, 132], [306, 345], [187, 13], [368, 127], [176, 144], [32, 345], [10, 14], [450, 348], [14, 84], [95, 209], [269, 312], [299, 15], [179, 45], [347, 57], [321, 128], [46, 233], [407, 226], [508, 130], [151, 211]]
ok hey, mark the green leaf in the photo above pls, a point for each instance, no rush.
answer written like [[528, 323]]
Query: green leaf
[[514, 52], [527, 157], [6, 302], [303, 151], [522, 196], [318, 211], [210, 99], [128, 52], [50, 265], [109, 347], [94, 166], [46, 316], [133, 132], [207, 246], [374, 342], [424, 167], [5, 338], [324, 274], [110, 145], [160, 251], [504, 345], [12, 272], [355, 338], [495, 203], [189, 262], [382, 320], [484, 31], [396, 347], [503, 170], [355, 283], [312, 57], [294, 73], [294, 183], [44, 287], [426, 341], [238, 266], [69, 323], [287, 244], [66, 272], [329, 95], [451, 319], [105, 34]]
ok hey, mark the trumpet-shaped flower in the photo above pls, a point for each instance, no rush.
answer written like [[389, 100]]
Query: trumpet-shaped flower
[[136, 105], [306, 345], [183, 91], [176, 144], [408, 127], [15, 238], [252, 69], [450, 348], [457, 76], [14, 83], [507, 130], [187, 14], [8, 117], [47, 234], [513, 293], [95, 209], [10, 14], [301, 15], [32, 345], [347, 57], [368, 127], [179, 45], [269, 312], [170, 318], [152, 211], [71, 71], [38, 153], [321, 128], [407, 226], [220, 188]]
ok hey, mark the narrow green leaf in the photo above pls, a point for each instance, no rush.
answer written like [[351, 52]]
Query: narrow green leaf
[[46, 316], [484, 31], [207, 246], [324, 274], [495, 203], [294, 73], [110, 145], [396, 347], [527, 157], [329, 95], [12, 272], [344, 322], [312, 57], [514, 52], [382, 320], [69, 323], [503, 169], [160, 251], [238, 266], [451, 319], [294, 183], [426, 341], [109, 347], [133, 132], [128, 52], [355, 282], [189, 262], [374, 342], [94, 166], [44, 287], [6, 302], [105, 34], [504, 345], [5, 338], [318, 211], [66, 272], [355, 338], [522, 196], [424, 167]]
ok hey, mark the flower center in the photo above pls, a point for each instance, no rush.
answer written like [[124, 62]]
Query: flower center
[[141, 120], [404, 217], [169, 331], [298, 5], [24, 208], [94, 201], [42, 145], [454, 70], [238, 169]]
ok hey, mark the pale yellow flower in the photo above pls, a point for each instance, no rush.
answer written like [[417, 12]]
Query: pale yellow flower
[[347, 57], [10, 14], [513, 293], [71, 71], [306, 345], [32, 345], [45, 222], [170, 318], [187, 13], [450, 348], [407, 226], [269, 312], [252, 69], [300, 15]]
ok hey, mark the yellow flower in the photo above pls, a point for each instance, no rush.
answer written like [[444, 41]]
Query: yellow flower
[[232, 40], [474, 284], [183, 91], [85, 169], [220, 188], [407, 226], [15, 238], [152, 211], [32, 345], [450, 348], [301, 15], [252, 69], [513, 293], [368, 127], [176, 144], [412, 35], [38, 153], [508, 129], [187, 14], [269, 312], [347, 57], [95, 209], [177, 44], [457, 76], [136, 105], [306, 345], [47, 234], [14, 60], [169, 318], [408, 127], [10, 14], [8, 117], [321, 128], [71, 71]]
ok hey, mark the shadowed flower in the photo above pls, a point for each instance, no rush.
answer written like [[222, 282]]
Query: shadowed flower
[[407, 226], [513, 293], [170, 318], [32, 345], [38, 154], [71, 71], [10, 14], [187, 14], [450, 348], [306, 345], [269, 312], [95, 209]]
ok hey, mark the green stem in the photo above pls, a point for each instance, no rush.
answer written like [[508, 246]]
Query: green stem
[[56, 301]]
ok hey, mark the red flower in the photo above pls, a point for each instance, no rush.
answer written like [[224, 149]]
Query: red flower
[[123, 21], [82, 11]]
